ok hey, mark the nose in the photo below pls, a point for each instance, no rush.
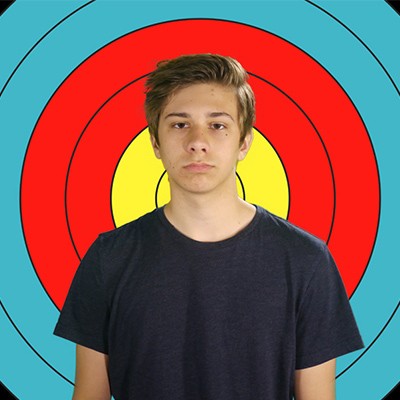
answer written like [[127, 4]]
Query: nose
[[197, 141]]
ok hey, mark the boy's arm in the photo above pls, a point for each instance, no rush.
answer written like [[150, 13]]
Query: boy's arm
[[316, 383], [91, 377]]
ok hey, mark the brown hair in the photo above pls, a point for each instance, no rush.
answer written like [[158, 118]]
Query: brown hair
[[186, 70]]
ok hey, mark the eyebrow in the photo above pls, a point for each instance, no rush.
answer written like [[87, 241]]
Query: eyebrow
[[183, 115], [220, 114], [212, 114]]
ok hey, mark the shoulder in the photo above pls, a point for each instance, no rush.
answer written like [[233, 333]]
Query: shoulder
[[288, 235], [304, 258], [133, 232], [115, 251], [292, 250]]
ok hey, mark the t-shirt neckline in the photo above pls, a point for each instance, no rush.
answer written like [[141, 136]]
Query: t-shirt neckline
[[179, 236]]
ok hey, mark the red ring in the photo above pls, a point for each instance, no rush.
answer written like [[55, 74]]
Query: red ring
[[317, 201]]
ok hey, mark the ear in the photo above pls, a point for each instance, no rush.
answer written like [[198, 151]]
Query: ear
[[245, 146], [156, 147]]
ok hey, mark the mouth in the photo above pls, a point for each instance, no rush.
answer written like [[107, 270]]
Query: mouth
[[198, 167]]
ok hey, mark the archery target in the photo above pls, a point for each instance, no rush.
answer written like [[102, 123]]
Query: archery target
[[108, 117], [85, 163]]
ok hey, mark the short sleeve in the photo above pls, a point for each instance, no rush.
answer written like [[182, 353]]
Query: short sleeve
[[325, 325], [85, 314]]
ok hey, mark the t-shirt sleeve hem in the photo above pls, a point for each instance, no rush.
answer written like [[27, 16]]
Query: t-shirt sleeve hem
[[344, 347], [78, 337]]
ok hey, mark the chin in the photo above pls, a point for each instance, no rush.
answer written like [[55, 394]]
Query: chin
[[194, 188]]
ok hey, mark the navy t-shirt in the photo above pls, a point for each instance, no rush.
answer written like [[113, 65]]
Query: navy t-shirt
[[182, 319]]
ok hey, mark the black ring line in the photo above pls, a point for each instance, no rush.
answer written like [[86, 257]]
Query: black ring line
[[46, 34], [359, 39], [5, 393], [395, 5], [373, 341], [30, 346], [394, 393], [4, 6], [242, 186], [157, 187]]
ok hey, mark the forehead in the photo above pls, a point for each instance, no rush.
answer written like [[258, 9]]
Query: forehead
[[203, 95]]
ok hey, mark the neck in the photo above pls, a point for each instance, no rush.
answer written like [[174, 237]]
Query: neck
[[209, 218]]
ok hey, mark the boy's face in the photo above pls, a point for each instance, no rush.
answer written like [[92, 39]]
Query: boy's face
[[199, 137]]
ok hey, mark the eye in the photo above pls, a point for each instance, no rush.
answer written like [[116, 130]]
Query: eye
[[217, 126], [180, 125]]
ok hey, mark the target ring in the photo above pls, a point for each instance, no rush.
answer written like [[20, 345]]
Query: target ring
[[317, 177]]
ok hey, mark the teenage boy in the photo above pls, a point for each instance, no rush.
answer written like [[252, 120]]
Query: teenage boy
[[208, 297]]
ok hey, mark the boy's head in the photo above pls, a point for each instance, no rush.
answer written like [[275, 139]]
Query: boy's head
[[183, 71]]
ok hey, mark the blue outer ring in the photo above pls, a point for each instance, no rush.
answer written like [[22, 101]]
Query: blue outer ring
[[53, 44]]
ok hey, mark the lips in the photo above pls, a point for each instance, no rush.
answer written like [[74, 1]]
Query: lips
[[198, 167]]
